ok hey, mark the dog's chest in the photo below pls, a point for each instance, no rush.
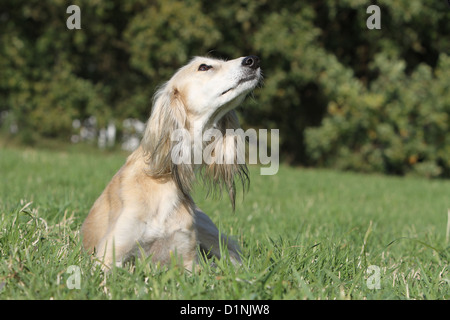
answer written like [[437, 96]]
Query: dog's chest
[[170, 216]]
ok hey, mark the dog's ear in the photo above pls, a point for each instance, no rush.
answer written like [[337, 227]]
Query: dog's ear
[[167, 121], [229, 154]]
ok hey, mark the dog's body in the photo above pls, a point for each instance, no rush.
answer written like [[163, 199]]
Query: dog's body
[[147, 205]]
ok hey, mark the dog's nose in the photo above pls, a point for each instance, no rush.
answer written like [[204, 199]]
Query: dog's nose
[[251, 62]]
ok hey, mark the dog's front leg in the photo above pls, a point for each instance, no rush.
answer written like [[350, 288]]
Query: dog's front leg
[[120, 242], [208, 236]]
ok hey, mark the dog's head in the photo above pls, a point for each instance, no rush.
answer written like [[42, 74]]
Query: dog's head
[[211, 87], [199, 96]]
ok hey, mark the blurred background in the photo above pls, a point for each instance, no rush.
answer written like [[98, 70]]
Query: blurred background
[[342, 96]]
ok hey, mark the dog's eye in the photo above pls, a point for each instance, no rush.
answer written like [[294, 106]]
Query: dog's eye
[[204, 67]]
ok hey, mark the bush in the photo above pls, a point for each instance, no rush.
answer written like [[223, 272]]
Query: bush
[[399, 125]]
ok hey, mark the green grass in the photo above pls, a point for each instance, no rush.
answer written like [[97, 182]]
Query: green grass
[[305, 234]]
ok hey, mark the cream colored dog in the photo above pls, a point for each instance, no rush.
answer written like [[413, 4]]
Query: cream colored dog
[[147, 205]]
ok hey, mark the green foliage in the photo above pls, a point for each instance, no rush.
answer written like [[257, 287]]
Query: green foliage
[[399, 125], [341, 95]]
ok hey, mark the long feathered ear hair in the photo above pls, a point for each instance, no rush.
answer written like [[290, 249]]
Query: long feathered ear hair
[[168, 115], [229, 154], [160, 145]]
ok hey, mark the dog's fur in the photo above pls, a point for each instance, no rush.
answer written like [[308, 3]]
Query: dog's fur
[[147, 206]]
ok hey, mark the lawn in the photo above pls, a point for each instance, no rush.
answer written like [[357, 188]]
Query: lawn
[[305, 234]]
